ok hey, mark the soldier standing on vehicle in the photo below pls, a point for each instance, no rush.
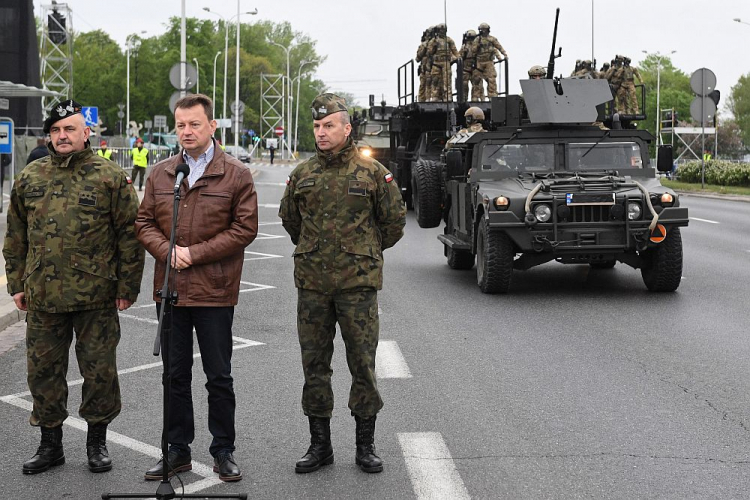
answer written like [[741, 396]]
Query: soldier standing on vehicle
[[586, 70], [474, 116], [603, 72], [470, 72], [423, 59], [443, 52], [485, 49], [341, 209], [72, 261], [140, 162], [614, 77], [626, 93]]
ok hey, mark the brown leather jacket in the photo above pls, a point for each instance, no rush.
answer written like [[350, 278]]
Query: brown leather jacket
[[217, 219]]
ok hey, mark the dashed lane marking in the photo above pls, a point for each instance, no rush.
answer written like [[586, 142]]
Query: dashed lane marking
[[389, 362], [430, 465], [283, 184], [268, 205], [261, 256], [269, 223], [266, 236], [704, 220]]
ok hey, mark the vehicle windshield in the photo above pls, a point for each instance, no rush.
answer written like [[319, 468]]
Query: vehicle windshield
[[603, 156], [374, 129], [518, 157]]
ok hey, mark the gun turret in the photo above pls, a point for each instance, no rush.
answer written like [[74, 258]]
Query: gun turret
[[552, 56]]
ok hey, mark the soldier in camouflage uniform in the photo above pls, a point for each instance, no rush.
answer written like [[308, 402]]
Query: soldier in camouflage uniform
[[72, 261], [486, 49], [443, 52], [626, 93], [470, 72], [586, 70], [425, 66], [614, 77], [341, 209]]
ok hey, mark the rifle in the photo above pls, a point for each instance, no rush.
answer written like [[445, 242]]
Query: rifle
[[552, 56]]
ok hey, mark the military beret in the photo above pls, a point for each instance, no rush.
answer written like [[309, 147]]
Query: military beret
[[63, 109], [327, 104]]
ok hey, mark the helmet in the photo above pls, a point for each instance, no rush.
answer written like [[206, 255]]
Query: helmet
[[471, 33], [626, 59], [537, 71], [473, 115], [484, 26]]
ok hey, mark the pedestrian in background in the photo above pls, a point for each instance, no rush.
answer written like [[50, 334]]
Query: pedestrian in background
[[104, 152], [40, 151], [140, 162], [341, 209], [218, 218], [271, 151], [72, 261]]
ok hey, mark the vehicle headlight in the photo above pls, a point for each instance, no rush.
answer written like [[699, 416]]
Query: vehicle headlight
[[501, 203], [634, 210], [542, 212], [667, 200], [366, 151]]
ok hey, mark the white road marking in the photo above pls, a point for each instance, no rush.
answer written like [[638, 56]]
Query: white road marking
[[266, 236], [262, 255], [704, 220], [256, 285], [153, 304], [268, 205], [389, 362], [269, 223], [282, 184], [430, 465]]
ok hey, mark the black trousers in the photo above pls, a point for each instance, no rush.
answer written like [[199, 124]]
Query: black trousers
[[213, 329]]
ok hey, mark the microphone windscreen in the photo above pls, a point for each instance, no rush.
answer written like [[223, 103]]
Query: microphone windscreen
[[182, 168]]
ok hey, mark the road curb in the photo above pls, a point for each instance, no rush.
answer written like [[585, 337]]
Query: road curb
[[728, 197]]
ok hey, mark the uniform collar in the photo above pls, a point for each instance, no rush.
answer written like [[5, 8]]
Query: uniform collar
[[342, 156], [65, 160]]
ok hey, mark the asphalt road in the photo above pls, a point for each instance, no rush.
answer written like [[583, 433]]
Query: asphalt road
[[578, 384]]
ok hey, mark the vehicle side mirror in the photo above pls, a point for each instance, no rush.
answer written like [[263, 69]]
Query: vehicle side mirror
[[664, 158], [454, 163]]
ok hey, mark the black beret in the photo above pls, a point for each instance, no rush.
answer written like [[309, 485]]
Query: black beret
[[63, 109]]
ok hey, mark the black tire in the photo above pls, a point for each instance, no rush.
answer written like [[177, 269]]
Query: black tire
[[661, 266], [495, 254], [427, 193]]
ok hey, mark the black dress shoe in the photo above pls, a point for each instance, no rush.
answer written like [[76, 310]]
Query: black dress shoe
[[179, 461], [227, 468]]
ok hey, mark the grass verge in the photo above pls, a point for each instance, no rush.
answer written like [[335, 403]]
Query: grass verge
[[709, 188]]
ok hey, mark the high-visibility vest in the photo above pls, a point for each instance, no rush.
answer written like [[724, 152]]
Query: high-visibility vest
[[140, 158], [105, 154]]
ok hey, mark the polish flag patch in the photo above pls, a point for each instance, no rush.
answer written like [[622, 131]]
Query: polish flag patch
[[288, 180], [130, 181], [388, 177]]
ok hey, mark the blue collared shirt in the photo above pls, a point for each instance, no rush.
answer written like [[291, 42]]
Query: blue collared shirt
[[198, 167]]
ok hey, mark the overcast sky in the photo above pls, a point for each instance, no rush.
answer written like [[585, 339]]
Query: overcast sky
[[366, 41]]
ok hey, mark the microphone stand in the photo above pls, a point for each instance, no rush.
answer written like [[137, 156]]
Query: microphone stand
[[163, 331]]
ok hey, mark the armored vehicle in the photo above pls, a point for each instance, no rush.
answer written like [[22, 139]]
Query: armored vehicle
[[557, 176], [372, 131]]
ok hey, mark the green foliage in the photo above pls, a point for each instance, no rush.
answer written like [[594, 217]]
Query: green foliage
[[674, 91], [99, 66], [739, 105], [718, 172]]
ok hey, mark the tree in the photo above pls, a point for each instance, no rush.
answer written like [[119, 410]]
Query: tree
[[739, 104], [729, 140], [674, 91]]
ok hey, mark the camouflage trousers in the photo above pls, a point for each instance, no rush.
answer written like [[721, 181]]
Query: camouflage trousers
[[627, 101], [488, 73], [138, 172], [356, 312], [477, 88], [424, 87], [441, 88], [48, 339]]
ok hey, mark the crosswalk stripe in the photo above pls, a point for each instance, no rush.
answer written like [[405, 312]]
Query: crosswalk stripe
[[430, 466], [389, 362]]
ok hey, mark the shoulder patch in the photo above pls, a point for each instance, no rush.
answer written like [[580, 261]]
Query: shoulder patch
[[288, 179], [306, 183], [128, 179], [388, 177]]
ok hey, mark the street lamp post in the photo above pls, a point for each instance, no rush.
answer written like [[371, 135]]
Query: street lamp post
[[128, 41], [287, 127], [659, 59], [214, 85], [197, 76], [226, 63], [296, 112]]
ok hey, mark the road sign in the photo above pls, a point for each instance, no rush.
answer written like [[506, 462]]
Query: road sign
[[703, 109], [251, 133], [121, 114], [703, 81], [191, 76], [224, 122], [91, 115], [148, 123], [279, 131], [6, 137], [160, 121], [238, 108]]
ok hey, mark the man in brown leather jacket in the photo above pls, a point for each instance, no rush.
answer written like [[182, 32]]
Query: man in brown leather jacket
[[218, 218]]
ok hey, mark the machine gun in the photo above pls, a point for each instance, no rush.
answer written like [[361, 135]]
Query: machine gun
[[552, 56]]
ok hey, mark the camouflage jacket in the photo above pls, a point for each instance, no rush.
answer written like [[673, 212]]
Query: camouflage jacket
[[70, 243], [469, 56], [442, 50], [486, 47], [342, 211]]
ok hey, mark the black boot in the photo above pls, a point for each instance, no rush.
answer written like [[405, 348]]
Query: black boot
[[49, 454], [366, 458], [96, 448], [320, 451]]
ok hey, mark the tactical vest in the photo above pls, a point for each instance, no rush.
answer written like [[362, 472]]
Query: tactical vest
[[442, 53], [485, 49]]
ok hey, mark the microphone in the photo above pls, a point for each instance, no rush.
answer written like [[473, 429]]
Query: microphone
[[182, 171]]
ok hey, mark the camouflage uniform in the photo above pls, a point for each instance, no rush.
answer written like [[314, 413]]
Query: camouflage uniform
[[443, 51], [341, 210], [626, 95], [486, 48], [470, 72], [71, 247], [425, 68]]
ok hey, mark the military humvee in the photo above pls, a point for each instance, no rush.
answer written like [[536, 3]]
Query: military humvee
[[558, 176], [372, 133]]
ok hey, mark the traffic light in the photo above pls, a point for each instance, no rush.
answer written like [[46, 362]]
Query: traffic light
[[715, 95]]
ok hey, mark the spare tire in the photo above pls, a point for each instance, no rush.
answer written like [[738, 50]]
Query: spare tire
[[427, 193]]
